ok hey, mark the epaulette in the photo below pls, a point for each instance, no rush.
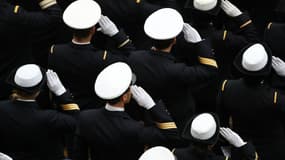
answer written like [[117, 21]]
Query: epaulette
[[104, 55], [16, 9], [275, 95], [51, 50], [269, 26], [224, 85]]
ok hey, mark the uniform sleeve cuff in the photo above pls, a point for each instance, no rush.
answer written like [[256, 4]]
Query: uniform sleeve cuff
[[47, 3]]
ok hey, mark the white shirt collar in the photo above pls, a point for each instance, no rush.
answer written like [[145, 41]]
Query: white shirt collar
[[80, 43], [112, 108], [26, 100]]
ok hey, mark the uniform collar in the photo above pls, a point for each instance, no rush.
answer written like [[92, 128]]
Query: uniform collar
[[108, 107], [80, 43], [25, 100]]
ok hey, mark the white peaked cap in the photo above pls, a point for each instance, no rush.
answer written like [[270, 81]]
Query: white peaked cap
[[4, 157], [203, 127], [28, 75], [113, 81], [204, 5], [254, 58], [157, 153], [164, 24], [82, 14]]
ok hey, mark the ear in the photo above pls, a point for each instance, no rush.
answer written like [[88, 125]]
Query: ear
[[93, 30], [124, 97]]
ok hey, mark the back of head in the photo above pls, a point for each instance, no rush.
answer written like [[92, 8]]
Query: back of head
[[163, 24], [113, 81], [202, 129], [82, 14], [28, 78]]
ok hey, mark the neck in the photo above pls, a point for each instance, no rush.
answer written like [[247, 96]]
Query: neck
[[166, 50], [85, 40]]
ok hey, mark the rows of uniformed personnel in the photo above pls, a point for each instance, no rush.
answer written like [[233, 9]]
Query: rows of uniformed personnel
[[178, 78]]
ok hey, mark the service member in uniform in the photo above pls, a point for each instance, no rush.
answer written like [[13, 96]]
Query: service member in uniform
[[27, 131], [252, 107], [158, 72], [18, 28], [78, 63], [131, 14], [234, 31], [274, 37], [109, 132], [203, 131]]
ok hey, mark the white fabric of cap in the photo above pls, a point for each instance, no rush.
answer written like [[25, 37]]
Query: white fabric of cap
[[157, 153], [205, 5], [254, 58], [203, 127], [28, 75], [4, 157], [163, 24], [113, 81], [82, 14]]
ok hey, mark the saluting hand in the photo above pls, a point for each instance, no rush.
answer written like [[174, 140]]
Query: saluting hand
[[107, 26], [142, 97], [191, 35], [54, 83], [232, 137], [230, 9], [278, 65]]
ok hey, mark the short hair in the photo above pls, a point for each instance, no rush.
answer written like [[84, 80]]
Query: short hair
[[116, 100], [162, 44], [81, 33]]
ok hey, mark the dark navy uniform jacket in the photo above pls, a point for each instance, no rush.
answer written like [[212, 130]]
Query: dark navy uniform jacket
[[18, 29], [31, 133], [78, 66], [166, 79], [246, 152], [115, 135], [256, 111]]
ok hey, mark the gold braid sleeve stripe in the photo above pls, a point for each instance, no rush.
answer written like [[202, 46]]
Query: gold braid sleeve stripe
[[166, 125], [208, 61], [47, 3], [16, 9], [69, 107], [124, 43], [246, 23]]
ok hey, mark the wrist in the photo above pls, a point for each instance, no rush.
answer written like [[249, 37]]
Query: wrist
[[60, 91]]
